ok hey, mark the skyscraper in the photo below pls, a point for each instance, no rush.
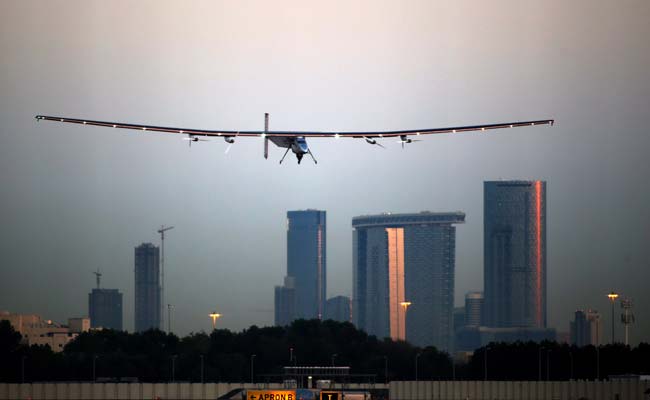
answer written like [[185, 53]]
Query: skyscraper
[[306, 261], [285, 302], [338, 309], [147, 287], [586, 328], [105, 308], [514, 232], [400, 258], [474, 309]]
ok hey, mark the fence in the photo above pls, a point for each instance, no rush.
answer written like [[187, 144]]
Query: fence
[[422, 390]]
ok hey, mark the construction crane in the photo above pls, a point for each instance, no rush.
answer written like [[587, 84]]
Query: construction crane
[[98, 275], [162, 231]]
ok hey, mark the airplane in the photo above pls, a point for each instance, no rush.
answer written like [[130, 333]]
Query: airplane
[[296, 141]]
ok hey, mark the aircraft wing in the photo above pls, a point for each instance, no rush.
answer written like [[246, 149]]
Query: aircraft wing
[[291, 134]]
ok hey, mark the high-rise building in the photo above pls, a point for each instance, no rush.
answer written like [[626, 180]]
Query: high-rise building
[[339, 308], [586, 328], [285, 302], [400, 259], [147, 287], [105, 308], [473, 309], [514, 234], [306, 261]]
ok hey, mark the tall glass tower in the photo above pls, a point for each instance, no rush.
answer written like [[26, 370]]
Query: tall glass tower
[[400, 259], [514, 234], [105, 308], [147, 287], [306, 261]]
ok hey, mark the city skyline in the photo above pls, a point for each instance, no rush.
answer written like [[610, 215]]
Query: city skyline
[[77, 199]]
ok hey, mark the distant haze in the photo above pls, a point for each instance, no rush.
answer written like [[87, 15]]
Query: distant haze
[[78, 198]]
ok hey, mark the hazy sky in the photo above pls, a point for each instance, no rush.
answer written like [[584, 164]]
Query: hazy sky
[[77, 198]]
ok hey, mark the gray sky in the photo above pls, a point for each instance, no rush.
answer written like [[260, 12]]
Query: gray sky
[[78, 198]]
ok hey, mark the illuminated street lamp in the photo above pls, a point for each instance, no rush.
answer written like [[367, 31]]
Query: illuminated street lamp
[[612, 297], [405, 305], [214, 315]]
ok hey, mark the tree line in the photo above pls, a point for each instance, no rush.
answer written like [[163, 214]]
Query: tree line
[[225, 356]]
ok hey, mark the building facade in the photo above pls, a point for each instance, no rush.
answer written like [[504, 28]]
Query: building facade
[[339, 308], [147, 287], [306, 261], [514, 232], [37, 331], [586, 328], [474, 309], [285, 302], [400, 259], [105, 308]]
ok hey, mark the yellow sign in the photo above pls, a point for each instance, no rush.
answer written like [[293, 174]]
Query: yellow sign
[[271, 395], [329, 396]]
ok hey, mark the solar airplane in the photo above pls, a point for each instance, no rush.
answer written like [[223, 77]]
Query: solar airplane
[[296, 141]]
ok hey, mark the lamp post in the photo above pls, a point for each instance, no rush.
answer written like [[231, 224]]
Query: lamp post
[[214, 315], [95, 357], [333, 357], [612, 297], [201, 367], [386, 368], [571, 365], [597, 362], [22, 368], [290, 355], [405, 305], [485, 363], [174, 367], [416, 366], [548, 359], [539, 362], [253, 367]]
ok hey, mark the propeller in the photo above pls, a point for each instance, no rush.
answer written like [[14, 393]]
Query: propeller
[[191, 139], [373, 141], [230, 140], [404, 139]]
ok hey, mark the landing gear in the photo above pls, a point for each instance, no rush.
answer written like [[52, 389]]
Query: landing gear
[[312, 157], [299, 157], [285, 154]]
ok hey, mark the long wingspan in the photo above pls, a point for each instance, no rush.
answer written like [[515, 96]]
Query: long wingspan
[[281, 134]]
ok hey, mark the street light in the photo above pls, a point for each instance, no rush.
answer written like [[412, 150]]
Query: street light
[[174, 367], [571, 369], [416, 366], [253, 367], [405, 305], [95, 357], [333, 357], [214, 315], [22, 368], [386, 368], [201, 367], [485, 363], [612, 297], [539, 362]]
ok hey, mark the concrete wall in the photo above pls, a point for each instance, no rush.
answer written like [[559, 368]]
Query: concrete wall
[[518, 390], [423, 390]]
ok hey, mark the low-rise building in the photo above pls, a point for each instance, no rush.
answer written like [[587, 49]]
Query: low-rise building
[[38, 331]]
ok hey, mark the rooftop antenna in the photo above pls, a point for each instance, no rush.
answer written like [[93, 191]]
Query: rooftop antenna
[[98, 275], [162, 231]]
